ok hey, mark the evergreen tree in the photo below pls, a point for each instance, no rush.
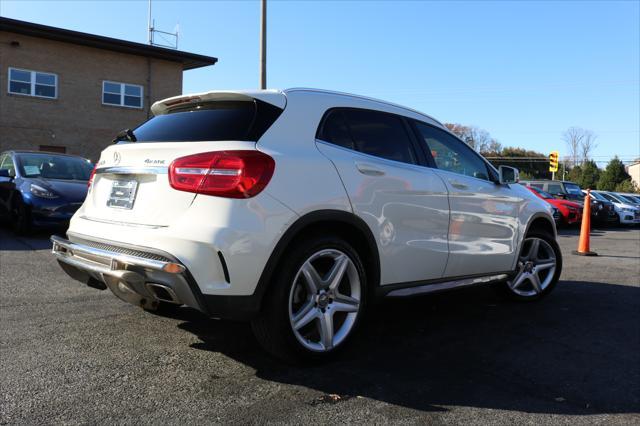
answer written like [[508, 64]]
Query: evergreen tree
[[590, 175], [627, 186], [612, 175], [575, 175]]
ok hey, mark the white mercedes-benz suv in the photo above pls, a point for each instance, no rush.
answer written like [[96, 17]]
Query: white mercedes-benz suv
[[297, 209]]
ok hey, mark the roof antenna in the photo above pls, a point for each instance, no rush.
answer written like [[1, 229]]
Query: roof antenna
[[166, 39]]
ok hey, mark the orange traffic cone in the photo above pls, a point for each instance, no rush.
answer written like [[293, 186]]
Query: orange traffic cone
[[585, 229]]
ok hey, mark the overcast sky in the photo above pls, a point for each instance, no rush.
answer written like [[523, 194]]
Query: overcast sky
[[524, 71]]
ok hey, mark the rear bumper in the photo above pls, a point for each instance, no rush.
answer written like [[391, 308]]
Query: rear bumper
[[145, 278]]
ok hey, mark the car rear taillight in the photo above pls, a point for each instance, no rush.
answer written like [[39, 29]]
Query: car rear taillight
[[93, 173], [232, 174]]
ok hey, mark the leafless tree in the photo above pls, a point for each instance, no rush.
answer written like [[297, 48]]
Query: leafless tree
[[476, 138], [573, 137], [587, 145]]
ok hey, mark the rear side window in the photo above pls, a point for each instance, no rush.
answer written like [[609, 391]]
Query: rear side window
[[336, 131], [210, 121], [370, 132]]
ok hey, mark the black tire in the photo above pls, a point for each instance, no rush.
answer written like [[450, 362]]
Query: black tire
[[506, 290], [20, 217], [273, 329]]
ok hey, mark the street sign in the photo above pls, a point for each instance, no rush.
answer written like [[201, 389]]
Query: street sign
[[553, 161]]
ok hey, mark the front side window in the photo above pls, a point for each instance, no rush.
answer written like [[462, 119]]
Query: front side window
[[370, 132], [6, 163], [121, 94], [51, 166], [33, 83], [451, 154]]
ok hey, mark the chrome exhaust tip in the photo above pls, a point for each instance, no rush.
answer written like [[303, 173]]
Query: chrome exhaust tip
[[163, 293]]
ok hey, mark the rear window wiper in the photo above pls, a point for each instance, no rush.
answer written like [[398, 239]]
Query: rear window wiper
[[125, 135]]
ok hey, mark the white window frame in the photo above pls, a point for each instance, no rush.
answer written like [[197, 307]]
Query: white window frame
[[122, 94], [32, 82]]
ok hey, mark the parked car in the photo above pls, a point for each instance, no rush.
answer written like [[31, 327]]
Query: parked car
[[628, 214], [296, 209], [41, 189], [602, 211], [633, 199], [569, 212], [559, 188]]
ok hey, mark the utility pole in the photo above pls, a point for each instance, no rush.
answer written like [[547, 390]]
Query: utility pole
[[150, 26], [263, 44]]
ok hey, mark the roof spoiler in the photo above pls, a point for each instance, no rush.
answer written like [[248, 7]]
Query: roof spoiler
[[273, 97]]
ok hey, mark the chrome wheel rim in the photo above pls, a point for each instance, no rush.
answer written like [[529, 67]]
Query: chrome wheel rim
[[324, 300], [536, 268]]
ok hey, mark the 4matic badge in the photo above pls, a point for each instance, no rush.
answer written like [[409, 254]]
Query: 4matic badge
[[150, 161]]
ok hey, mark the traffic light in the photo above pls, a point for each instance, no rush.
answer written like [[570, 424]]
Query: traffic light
[[553, 161]]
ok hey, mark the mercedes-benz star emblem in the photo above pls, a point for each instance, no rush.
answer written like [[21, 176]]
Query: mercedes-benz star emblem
[[116, 157]]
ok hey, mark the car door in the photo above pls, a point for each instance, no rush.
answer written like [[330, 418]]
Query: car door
[[483, 225], [403, 202]]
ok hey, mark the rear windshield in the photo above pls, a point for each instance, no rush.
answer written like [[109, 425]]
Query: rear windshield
[[210, 121], [51, 166]]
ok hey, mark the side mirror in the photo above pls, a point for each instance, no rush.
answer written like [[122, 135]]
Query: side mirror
[[5, 174], [507, 175]]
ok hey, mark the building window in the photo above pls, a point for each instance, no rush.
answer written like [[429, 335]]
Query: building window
[[33, 83], [121, 94]]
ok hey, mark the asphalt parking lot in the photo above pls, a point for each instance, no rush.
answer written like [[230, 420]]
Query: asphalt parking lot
[[70, 354]]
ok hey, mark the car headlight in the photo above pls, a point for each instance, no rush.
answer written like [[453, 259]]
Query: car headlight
[[627, 209], [41, 192]]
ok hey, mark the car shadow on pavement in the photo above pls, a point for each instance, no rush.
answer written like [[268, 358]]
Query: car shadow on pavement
[[575, 352], [36, 240]]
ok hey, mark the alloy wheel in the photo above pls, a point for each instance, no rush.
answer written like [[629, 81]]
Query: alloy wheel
[[324, 300], [536, 267]]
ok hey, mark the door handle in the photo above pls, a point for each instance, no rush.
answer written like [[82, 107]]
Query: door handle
[[369, 170], [458, 185]]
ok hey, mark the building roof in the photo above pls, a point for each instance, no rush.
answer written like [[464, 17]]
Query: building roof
[[189, 60]]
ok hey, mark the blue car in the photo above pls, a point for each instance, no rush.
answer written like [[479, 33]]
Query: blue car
[[41, 189]]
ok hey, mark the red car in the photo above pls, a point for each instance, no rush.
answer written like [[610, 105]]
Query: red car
[[571, 212]]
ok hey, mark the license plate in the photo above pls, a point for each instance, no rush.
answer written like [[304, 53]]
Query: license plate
[[123, 194]]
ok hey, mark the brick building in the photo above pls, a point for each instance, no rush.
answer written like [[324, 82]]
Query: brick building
[[71, 92]]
